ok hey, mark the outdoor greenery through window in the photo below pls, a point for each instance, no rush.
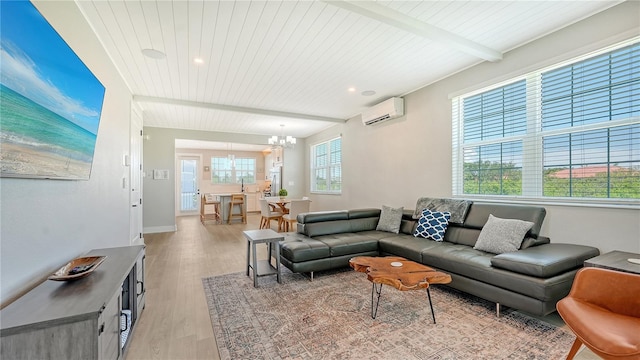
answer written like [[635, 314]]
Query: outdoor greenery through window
[[570, 131], [227, 171], [326, 166]]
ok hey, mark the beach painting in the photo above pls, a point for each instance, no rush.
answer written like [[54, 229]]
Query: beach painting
[[50, 102]]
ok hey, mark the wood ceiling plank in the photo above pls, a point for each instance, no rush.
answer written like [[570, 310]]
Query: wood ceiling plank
[[237, 22], [219, 45], [194, 40], [164, 10], [181, 31]]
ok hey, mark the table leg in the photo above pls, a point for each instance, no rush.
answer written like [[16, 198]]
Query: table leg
[[277, 261], [433, 314], [248, 256], [255, 265], [377, 291]]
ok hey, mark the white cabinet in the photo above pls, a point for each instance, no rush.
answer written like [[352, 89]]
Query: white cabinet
[[251, 202], [268, 164]]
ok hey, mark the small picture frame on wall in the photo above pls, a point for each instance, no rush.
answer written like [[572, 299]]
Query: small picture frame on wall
[[161, 174], [206, 169]]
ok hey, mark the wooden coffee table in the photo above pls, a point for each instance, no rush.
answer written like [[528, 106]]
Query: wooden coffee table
[[400, 273]]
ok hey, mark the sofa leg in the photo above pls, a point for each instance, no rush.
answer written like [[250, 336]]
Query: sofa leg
[[311, 275], [497, 309]]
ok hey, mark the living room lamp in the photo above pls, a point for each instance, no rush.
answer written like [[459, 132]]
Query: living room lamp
[[282, 141]]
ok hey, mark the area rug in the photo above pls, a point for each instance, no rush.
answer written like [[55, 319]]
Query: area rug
[[330, 318]]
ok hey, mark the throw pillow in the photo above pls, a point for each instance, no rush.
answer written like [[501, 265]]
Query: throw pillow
[[432, 224], [502, 235], [390, 219]]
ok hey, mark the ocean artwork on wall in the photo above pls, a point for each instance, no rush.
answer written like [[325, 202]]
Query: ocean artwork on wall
[[50, 102]]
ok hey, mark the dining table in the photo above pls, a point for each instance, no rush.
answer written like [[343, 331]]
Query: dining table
[[279, 204]]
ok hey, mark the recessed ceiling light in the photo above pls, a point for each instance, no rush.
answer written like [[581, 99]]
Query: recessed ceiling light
[[153, 53], [351, 89], [198, 60], [368, 93]]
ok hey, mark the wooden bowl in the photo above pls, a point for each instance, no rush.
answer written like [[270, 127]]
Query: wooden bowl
[[77, 268]]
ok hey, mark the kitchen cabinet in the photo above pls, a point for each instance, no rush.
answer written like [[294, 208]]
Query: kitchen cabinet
[[251, 202], [78, 319]]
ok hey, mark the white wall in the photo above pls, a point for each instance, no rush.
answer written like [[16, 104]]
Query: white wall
[[396, 162], [159, 153], [46, 223]]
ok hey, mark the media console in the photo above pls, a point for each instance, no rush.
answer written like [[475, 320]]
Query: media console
[[88, 318]]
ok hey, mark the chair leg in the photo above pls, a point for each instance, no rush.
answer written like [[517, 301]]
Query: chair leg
[[574, 349]]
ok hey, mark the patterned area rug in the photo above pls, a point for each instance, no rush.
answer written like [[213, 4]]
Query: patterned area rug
[[330, 318]]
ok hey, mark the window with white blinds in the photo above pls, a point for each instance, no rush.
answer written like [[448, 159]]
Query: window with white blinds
[[326, 167], [226, 170], [569, 131]]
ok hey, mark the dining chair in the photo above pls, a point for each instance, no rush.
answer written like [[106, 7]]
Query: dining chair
[[267, 214], [209, 199], [237, 200], [603, 311], [295, 207]]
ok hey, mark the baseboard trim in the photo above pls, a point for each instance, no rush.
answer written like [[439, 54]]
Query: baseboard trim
[[160, 229]]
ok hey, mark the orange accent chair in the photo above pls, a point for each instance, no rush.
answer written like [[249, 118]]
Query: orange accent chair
[[603, 311]]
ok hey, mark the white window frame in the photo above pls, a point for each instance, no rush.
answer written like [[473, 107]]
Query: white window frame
[[329, 168], [234, 179], [532, 162]]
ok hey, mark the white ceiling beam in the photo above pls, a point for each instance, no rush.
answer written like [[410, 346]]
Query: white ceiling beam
[[240, 109], [399, 20]]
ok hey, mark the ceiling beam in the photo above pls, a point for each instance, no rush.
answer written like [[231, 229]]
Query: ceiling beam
[[240, 109], [399, 20]]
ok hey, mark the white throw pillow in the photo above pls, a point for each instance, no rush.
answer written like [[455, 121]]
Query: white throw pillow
[[390, 219], [502, 235]]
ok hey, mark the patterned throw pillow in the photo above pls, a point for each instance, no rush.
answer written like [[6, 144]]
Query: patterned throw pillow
[[390, 219], [502, 235], [432, 224]]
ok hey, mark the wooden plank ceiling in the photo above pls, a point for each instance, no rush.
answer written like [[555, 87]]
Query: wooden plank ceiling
[[293, 62]]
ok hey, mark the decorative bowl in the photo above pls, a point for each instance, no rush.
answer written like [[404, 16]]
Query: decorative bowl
[[77, 268]]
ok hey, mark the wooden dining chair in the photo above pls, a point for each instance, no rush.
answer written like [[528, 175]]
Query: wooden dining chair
[[204, 216], [237, 200], [295, 207], [267, 214]]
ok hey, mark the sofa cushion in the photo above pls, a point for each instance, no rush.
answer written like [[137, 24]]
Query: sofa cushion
[[479, 214], [299, 248], [390, 219], [348, 243], [545, 260], [460, 235], [406, 246], [364, 213], [432, 225], [502, 235]]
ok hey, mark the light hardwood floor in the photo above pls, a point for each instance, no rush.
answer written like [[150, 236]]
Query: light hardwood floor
[[175, 323]]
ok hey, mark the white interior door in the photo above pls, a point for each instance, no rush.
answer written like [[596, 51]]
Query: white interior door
[[135, 183], [188, 185]]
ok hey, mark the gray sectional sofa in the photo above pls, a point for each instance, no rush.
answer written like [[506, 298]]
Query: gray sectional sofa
[[531, 279]]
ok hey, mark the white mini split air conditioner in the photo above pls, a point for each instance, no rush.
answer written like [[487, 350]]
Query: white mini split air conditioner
[[386, 110]]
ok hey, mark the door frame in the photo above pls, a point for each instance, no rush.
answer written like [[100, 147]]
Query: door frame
[[136, 146], [178, 177]]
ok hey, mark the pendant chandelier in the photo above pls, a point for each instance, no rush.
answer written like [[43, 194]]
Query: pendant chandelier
[[282, 141]]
